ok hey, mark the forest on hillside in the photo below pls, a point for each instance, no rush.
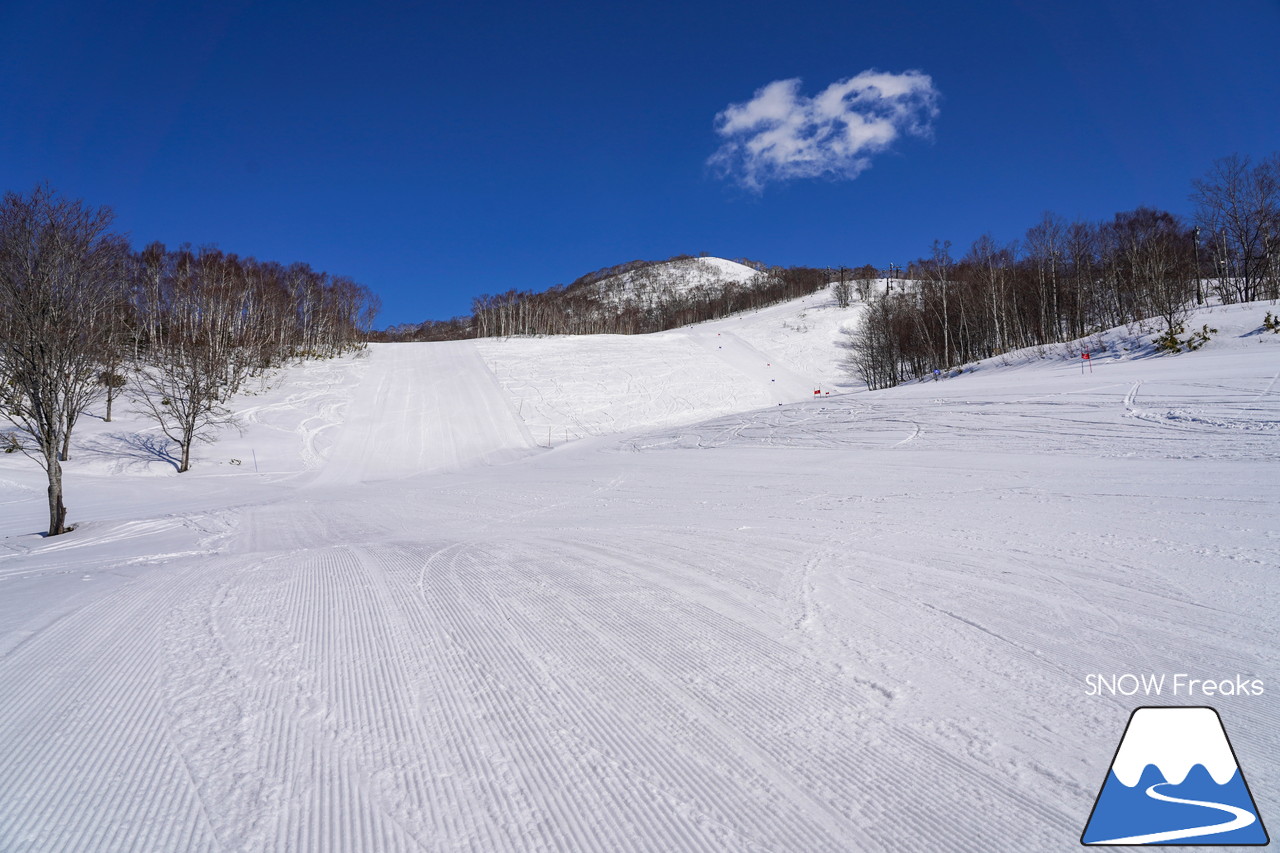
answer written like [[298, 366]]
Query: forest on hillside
[[85, 318], [1065, 280]]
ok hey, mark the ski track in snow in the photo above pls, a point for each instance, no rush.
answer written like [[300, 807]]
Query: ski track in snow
[[860, 622]]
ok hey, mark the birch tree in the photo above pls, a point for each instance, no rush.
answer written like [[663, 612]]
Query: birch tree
[[200, 357]]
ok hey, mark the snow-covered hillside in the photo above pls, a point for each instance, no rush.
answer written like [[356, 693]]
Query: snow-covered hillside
[[662, 281], [571, 387], [385, 616]]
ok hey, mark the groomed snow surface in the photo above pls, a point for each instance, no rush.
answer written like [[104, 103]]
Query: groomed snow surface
[[411, 607]]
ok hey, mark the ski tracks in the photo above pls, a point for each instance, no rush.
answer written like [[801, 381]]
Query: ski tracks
[[1131, 396], [88, 763], [622, 705], [843, 601], [310, 732]]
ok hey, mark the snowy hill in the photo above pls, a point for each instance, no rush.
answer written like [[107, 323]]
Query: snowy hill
[[569, 387], [658, 282], [386, 616]]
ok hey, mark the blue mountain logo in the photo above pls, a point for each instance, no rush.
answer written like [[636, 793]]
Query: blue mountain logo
[[1175, 780]]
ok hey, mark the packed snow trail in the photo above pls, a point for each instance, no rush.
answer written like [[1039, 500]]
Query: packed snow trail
[[781, 383], [568, 388], [424, 409], [785, 629]]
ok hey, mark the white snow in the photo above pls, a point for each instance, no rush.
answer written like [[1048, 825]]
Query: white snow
[[1174, 740], [655, 282], [386, 616], [567, 387]]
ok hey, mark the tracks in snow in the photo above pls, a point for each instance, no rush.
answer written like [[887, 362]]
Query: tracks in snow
[[539, 694], [774, 650]]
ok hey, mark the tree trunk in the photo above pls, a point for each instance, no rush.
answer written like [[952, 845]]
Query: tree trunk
[[111, 395], [188, 436], [946, 328], [57, 511]]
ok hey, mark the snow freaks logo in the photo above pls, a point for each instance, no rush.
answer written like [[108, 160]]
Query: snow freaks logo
[[1096, 684], [1175, 780]]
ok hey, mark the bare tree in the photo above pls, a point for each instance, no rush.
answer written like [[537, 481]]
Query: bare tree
[[1044, 245], [202, 354], [1238, 204], [842, 290], [935, 296], [1156, 264], [185, 394], [56, 262], [1080, 260], [114, 322], [875, 352], [992, 263]]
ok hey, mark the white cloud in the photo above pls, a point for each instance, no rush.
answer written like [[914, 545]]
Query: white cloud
[[780, 134]]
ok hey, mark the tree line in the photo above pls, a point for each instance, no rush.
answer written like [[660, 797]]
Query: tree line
[[598, 303], [84, 318], [1065, 280]]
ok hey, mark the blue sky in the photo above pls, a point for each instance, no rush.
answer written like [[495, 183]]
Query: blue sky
[[435, 151]]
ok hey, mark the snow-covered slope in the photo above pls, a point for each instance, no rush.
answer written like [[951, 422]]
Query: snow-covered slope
[[570, 387], [384, 618], [657, 282]]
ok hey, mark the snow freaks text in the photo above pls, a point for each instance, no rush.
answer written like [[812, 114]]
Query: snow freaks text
[[1178, 684]]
